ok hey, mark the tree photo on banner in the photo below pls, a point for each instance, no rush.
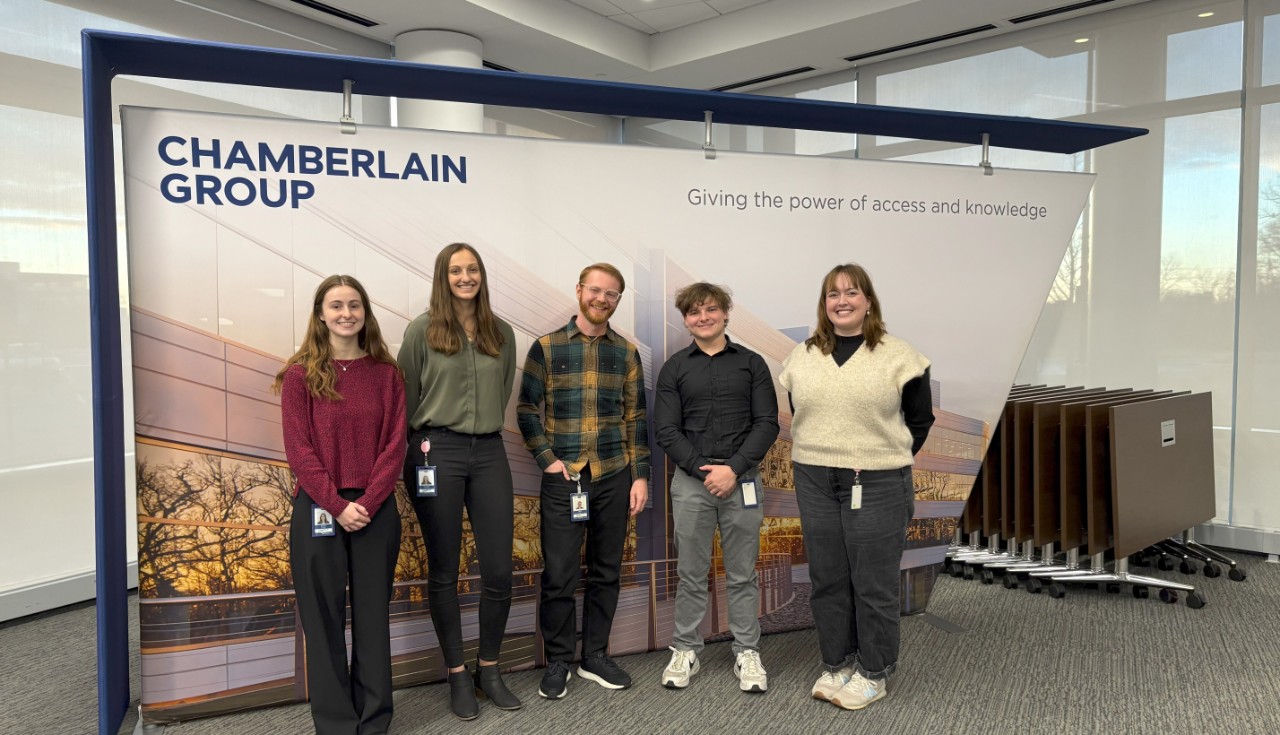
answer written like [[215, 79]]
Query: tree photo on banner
[[233, 222]]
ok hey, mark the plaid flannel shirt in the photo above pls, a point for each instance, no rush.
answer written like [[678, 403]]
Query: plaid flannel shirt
[[592, 390]]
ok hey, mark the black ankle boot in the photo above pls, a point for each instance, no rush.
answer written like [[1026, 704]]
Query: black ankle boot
[[462, 696], [489, 683]]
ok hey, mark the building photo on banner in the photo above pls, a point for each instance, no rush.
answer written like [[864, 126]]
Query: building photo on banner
[[233, 222]]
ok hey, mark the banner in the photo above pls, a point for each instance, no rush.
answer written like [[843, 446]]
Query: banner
[[233, 222]]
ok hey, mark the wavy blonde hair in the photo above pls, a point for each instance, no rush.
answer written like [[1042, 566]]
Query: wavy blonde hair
[[316, 356]]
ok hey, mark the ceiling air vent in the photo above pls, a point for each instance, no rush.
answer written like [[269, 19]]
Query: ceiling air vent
[[922, 42], [336, 12], [766, 78], [1058, 11]]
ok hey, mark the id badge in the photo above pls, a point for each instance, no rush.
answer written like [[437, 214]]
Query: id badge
[[321, 522], [750, 494], [426, 481], [579, 508], [855, 497]]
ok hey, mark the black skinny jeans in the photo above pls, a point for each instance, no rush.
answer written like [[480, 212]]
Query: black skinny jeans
[[471, 471]]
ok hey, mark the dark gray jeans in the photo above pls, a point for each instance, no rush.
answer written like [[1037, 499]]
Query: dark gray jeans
[[854, 559]]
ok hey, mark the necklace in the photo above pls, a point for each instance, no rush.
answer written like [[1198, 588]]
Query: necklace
[[338, 362]]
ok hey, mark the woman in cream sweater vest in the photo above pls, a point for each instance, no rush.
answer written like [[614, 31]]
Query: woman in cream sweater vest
[[861, 409]]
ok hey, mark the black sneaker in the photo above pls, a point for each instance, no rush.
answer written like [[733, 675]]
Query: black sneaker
[[555, 680], [602, 670]]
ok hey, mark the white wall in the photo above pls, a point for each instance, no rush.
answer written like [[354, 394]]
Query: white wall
[[1173, 278], [1174, 281], [46, 469]]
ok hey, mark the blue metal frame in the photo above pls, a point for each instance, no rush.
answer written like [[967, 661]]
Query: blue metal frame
[[106, 55]]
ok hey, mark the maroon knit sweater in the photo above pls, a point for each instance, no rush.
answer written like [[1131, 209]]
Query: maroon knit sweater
[[358, 441]]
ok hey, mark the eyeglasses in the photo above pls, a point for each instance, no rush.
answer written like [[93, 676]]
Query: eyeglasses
[[596, 292]]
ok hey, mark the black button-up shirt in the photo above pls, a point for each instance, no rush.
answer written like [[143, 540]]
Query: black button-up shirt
[[715, 407]]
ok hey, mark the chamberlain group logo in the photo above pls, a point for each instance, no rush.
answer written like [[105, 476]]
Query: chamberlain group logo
[[243, 174]]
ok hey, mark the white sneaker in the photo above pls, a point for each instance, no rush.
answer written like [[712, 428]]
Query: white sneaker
[[859, 692], [684, 664], [831, 682], [750, 672]]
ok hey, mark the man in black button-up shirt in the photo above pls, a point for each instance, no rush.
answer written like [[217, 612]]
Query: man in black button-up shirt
[[715, 415]]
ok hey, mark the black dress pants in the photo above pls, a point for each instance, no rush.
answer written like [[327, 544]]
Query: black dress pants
[[354, 700], [471, 471], [606, 532]]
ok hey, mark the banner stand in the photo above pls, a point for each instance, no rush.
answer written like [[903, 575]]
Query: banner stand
[[105, 55]]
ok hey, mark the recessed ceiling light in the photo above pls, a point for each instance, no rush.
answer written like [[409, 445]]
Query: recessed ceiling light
[[1082, 40], [1206, 14]]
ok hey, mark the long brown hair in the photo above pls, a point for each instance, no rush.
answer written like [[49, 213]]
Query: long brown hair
[[444, 330], [315, 354], [873, 330]]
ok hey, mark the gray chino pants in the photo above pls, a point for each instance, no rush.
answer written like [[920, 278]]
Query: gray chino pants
[[697, 513]]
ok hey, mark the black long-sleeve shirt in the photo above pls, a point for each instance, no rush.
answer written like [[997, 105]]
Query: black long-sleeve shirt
[[720, 406], [917, 394]]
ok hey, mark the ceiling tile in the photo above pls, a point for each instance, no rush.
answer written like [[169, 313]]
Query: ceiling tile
[[665, 19], [637, 6], [728, 6], [603, 7], [635, 23]]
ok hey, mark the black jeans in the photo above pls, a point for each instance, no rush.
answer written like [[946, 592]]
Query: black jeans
[[606, 531], [471, 471], [357, 700], [854, 560]]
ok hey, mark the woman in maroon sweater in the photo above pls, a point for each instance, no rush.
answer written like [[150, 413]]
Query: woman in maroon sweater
[[342, 407]]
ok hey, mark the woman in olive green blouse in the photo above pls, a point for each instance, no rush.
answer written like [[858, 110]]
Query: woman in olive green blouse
[[459, 364]]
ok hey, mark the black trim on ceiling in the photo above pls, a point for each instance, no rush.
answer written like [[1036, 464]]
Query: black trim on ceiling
[[765, 78], [1058, 11], [336, 12], [114, 54], [497, 67], [922, 42]]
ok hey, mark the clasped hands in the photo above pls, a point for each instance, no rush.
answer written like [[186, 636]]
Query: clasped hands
[[721, 479], [353, 518]]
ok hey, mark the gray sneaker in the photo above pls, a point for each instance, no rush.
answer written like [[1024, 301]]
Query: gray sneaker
[[684, 664], [750, 672]]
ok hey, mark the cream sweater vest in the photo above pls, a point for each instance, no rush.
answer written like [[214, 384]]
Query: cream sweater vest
[[850, 415]]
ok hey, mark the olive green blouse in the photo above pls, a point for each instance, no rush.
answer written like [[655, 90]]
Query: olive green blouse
[[466, 392]]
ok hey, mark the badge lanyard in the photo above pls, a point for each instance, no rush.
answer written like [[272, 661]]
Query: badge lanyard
[[426, 473], [750, 494], [855, 497], [579, 508]]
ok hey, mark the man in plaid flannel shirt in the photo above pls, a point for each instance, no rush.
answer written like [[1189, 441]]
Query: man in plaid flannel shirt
[[582, 414]]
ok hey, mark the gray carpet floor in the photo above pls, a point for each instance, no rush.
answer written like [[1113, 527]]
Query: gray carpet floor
[[1090, 663]]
